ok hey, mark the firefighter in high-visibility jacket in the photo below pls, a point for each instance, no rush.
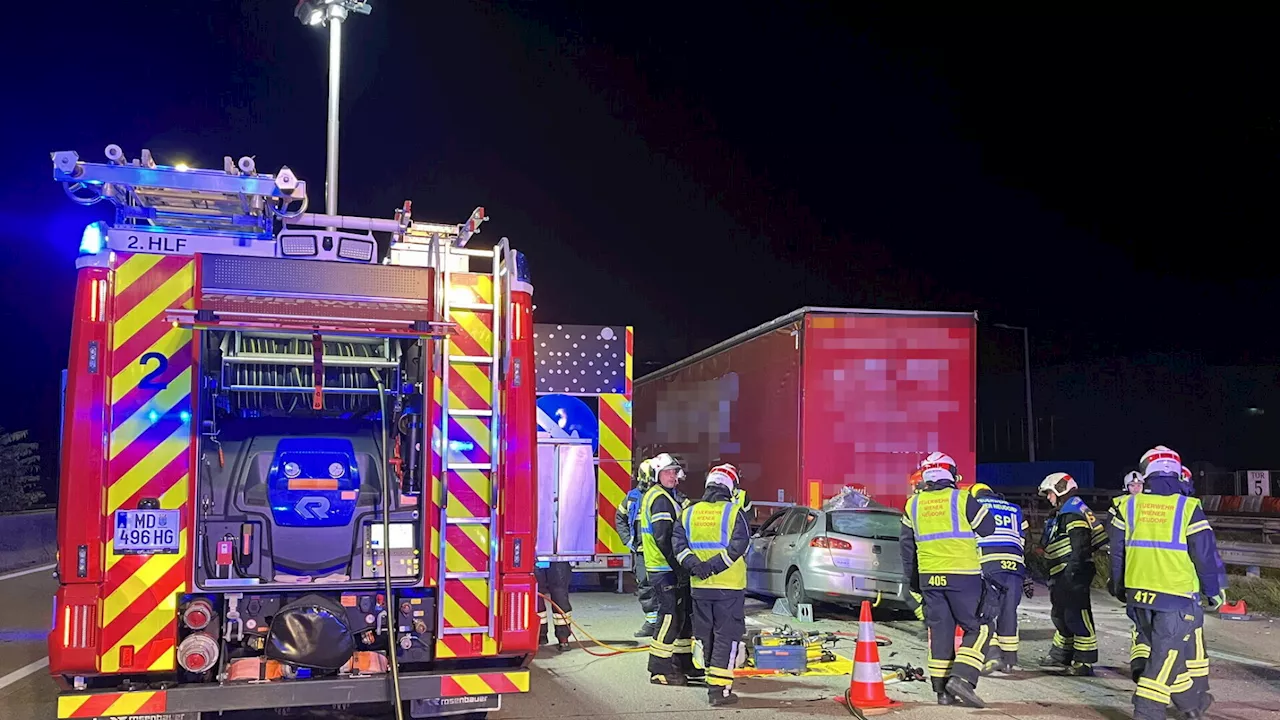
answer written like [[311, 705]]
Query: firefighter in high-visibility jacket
[[671, 651], [940, 529], [1071, 536], [711, 541], [1004, 564], [1139, 643], [626, 522], [1166, 567]]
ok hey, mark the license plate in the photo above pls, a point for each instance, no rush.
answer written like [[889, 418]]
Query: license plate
[[146, 532]]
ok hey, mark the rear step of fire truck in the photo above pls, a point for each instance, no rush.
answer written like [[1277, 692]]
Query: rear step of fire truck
[[297, 328]]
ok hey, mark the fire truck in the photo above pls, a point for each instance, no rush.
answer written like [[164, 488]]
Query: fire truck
[[295, 473]]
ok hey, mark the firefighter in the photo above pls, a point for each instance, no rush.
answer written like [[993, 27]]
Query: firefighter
[[1166, 566], [553, 579], [625, 521], [671, 652], [1071, 536], [711, 541], [1003, 563], [939, 542], [1139, 643]]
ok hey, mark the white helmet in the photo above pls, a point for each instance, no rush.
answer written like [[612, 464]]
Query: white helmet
[[1058, 483], [723, 474], [1133, 479], [664, 461], [1160, 460], [939, 468]]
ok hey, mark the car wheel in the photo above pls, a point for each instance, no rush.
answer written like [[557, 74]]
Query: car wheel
[[796, 594]]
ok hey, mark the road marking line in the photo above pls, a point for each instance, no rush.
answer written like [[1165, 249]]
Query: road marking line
[[28, 571], [22, 672]]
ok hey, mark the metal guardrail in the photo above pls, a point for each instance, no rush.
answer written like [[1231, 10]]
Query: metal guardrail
[[1251, 554]]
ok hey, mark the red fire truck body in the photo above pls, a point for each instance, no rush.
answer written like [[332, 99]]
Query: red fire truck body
[[282, 459], [820, 399]]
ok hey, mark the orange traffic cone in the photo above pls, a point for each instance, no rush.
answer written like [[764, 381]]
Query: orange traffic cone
[[866, 685]]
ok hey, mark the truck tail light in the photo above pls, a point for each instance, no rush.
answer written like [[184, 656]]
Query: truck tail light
[[518, 631], [79, 627], [516, 611], [830, 543], [73, 640]]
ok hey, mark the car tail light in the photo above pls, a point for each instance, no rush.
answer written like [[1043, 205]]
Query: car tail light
[[822, 541]]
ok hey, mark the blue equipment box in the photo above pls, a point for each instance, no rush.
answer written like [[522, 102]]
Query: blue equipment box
[[786, 658]]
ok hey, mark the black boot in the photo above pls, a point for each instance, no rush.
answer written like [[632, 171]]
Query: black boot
[[668, 679], [1202, 712], [646, 630], [964, 692], [721, 695], [1049, 662]]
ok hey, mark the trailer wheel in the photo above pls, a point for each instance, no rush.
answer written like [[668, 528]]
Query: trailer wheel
[[796, 594]]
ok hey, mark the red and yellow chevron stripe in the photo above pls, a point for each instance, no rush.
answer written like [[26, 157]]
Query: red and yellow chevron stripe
[[111, 704], [467, 645], [484, 684], [151, 366], [613, 477]]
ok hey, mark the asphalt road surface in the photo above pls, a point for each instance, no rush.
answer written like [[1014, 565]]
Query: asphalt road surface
[[1244, 662]]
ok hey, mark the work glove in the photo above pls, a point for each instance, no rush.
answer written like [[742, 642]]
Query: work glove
[[702, 570], [1028, 587], [1119, 591], [1214, 602]]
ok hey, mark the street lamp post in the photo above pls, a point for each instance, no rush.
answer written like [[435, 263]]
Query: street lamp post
[[331, 13], [1026, 363]]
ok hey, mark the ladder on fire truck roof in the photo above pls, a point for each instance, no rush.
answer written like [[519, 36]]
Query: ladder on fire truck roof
[[234, 201], [467, 395]]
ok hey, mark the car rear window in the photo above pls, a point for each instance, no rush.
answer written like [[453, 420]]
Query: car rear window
[[873, 525]]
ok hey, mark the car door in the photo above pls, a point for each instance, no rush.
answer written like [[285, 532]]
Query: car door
[[782, 551], [758, 573]]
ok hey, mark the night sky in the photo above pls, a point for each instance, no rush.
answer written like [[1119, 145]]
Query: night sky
[[696, 169]]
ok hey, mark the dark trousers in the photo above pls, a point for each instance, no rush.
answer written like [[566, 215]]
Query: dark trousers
[[1167, 677], [671, 652], [719, 623], [1139, 646], [554, 581], [648, 601], [1074, 640], [1004, 642], [944, 610]]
